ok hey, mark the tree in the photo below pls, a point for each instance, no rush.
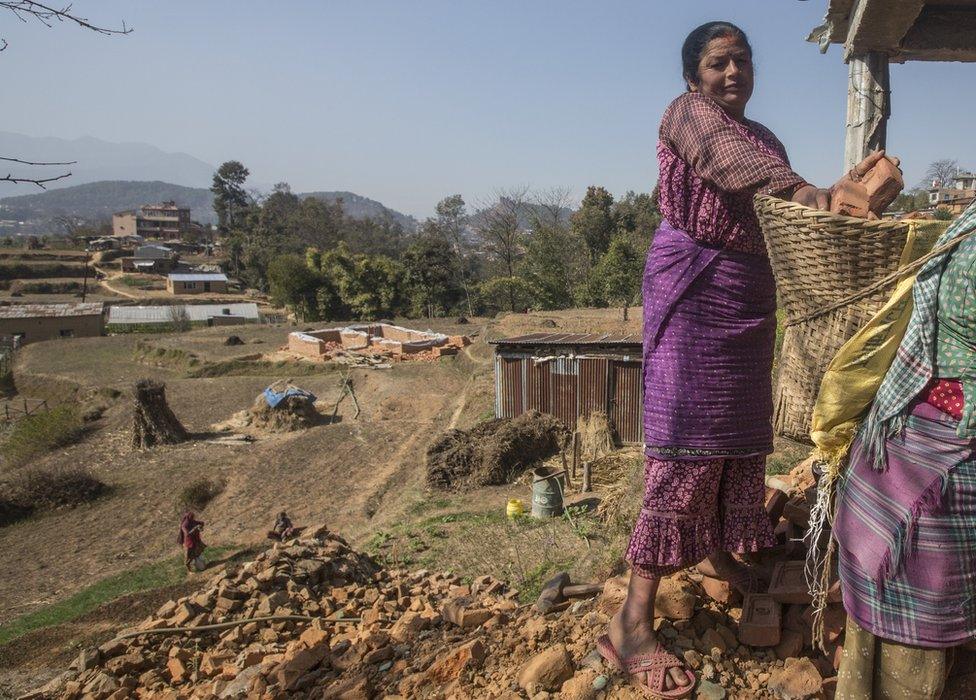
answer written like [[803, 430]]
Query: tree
[[230, 197], [637, 215], [500, 228], [430, 274], [452, 218], [512, 293], [619, 272], [594, 221], [912, 200], [179, 318], [25, 11], [375, 289], [555, 259], [942, 171], [295, 285], [366, 287]]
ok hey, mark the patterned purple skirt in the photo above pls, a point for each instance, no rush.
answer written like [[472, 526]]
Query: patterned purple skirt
[[709, 333]]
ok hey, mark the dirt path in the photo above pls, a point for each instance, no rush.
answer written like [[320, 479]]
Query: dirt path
[[106, 282]]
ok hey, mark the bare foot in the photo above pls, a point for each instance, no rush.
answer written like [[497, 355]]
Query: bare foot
[[632, 637]]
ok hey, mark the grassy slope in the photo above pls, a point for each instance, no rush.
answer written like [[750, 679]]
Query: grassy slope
[[158, 575]]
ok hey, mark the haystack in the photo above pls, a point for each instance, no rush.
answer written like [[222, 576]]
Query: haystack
[[154, 423], [282, 408], [494, 452], [596, 436]]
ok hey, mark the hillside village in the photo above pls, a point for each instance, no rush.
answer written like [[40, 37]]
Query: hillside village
[[160, 304], [264, 443]]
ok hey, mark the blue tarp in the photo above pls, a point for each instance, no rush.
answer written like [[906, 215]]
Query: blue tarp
[[276, 397]]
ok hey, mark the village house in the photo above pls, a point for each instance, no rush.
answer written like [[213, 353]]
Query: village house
[[196, 283], [32, 323], [151, 258], [165, 220]]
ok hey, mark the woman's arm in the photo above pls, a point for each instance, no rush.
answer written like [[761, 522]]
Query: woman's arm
[[700, 133]]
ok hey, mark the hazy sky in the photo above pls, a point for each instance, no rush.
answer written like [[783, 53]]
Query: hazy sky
[[409, 101]]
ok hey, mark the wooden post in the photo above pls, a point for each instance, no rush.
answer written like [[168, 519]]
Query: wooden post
[[868, 106], [586, 477], [576, 452]]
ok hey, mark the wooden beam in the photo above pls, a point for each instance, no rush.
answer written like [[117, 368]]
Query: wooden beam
[[941, 35], [868, 106], [879, 25]]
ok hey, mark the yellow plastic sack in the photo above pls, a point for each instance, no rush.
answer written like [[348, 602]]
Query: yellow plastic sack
[[854, 375]]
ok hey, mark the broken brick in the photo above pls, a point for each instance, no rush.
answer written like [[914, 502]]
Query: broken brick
[[721, 591]]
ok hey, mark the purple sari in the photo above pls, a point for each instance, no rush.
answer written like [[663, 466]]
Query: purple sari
[[709, 333]]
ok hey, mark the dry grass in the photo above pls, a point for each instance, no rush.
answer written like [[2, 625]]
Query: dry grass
[[39, 433], [620, 478]]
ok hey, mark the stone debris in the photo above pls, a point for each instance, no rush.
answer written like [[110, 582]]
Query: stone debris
[[421, 635]]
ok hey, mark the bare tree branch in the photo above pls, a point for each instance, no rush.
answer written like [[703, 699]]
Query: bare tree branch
[[29, 162], [26, 10], [35, 181]]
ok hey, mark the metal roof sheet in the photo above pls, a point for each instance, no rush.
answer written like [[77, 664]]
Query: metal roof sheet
[[198, 277], [119, 315], [90, 308], [571, 339]]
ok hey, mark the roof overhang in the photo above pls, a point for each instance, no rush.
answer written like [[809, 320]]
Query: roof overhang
[[906, 30]]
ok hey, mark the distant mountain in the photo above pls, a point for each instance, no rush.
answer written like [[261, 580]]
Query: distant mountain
[[99, 160], [97, 201], [359, 207]]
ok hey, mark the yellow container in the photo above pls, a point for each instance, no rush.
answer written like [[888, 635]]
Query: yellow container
[[515, 508]]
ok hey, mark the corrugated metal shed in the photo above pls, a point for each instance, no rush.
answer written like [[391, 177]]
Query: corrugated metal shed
[[51, 310], [136, 315], [572, 375], [197, 276]]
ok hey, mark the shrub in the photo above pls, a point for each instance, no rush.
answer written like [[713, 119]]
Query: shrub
[[199, 493], [11, 511], [34, 287], [53, 488], [39, 489], [33, 435]]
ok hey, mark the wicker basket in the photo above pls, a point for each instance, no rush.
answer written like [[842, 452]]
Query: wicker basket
[[825, 267]]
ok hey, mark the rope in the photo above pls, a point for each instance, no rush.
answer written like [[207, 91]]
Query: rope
[[235, 623]]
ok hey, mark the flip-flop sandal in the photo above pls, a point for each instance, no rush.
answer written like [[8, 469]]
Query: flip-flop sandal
[[650, 670]]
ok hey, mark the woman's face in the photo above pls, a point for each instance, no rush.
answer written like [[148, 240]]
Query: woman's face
[[725, 74]]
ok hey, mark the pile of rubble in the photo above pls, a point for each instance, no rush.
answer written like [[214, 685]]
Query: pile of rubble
[[340, 626]]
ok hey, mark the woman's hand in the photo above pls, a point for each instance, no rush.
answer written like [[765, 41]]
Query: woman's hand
[[814, 197]]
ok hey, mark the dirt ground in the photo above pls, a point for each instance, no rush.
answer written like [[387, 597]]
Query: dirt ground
[[363, 477]]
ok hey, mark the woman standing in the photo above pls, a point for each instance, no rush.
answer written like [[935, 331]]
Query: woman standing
[[709, 331], [191, 539], [906, 508]]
